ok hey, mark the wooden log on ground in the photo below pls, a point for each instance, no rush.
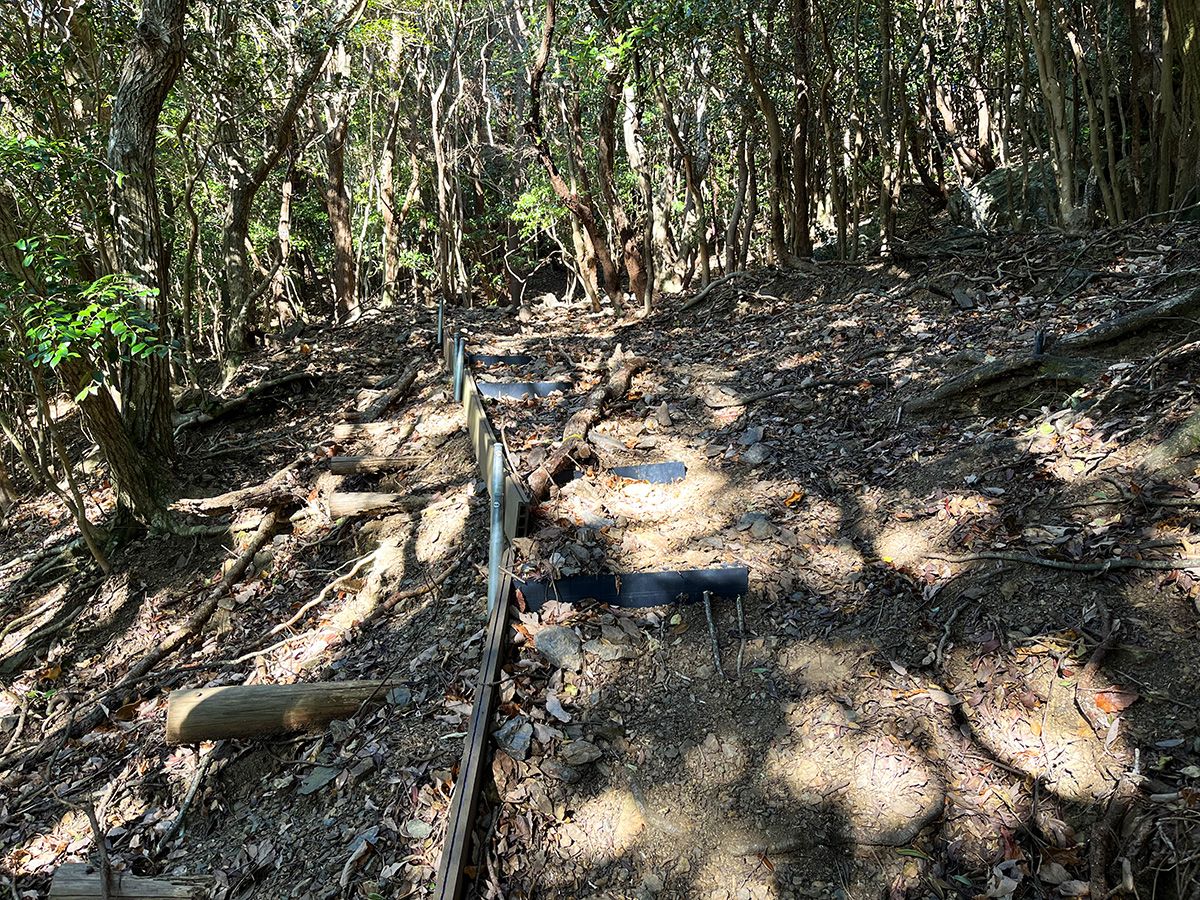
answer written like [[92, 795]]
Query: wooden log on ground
[[374, 431], [574, 442], [77, 881], [380, 405], [118, 695], [255, 710], [371, 503], [368, 465]]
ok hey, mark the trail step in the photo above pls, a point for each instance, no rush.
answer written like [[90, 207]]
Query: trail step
[[635, 590], [521, 390], [495, 359], [652, 473]]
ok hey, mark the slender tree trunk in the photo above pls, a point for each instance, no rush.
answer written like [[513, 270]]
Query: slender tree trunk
[[337, 205], [578, 205], [151, 67], [801, 130]]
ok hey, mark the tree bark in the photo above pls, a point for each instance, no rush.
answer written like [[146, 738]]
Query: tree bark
[[137, 440], [579, 205]]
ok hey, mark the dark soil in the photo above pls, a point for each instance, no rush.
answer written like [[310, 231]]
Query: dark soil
[[887, 722]]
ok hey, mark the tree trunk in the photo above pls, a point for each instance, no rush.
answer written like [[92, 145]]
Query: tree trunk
[[151, 67], [579, 205], [337, 205], [801, 130]]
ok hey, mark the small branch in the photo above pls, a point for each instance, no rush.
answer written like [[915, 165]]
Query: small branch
[[700, 297], [177, 823], [712, 633], [1088, 567]]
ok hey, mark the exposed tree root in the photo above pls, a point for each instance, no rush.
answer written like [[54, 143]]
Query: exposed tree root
[[116, 696], [574, 443], [1104, 333], [703, 295], [278, 490], [211, 413], [1184, 441], [1067, 566]]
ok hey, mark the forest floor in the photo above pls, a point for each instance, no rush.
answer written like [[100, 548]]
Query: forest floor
[[911, 708]]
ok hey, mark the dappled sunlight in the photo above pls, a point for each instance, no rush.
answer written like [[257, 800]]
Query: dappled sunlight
[[1029, 717]]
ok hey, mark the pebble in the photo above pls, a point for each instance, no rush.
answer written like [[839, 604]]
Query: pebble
[[755, 455], [579, 753], [560, 646], [751, 435], [652, 882], [561, 771], [663, 415], [514, 737]]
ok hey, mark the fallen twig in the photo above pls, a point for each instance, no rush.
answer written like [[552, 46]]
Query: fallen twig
[[177, 823], [1089, 567], [712, 633], [116, 696]]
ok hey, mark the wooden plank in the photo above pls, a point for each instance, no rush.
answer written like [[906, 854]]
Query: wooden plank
[[78, 881], [456, 850], [254, 710]]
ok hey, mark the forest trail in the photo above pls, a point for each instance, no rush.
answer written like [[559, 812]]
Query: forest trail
[[885, 717]]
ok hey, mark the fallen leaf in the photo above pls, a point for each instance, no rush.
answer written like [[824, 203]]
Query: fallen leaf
[[1115, 700]]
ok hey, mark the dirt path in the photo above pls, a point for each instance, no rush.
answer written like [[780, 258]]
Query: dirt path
[[358, 807], [897, 719], [888, 721]]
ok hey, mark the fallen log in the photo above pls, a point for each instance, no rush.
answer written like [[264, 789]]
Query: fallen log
[[255, 710], [380, 405], [366, 503], [368, 465], [118, 695], [76, 881], [1103, 333], [205, 414], [374, 430], [574, 442]]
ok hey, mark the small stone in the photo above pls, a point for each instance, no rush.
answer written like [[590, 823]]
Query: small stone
[[561, 771], [648, 442], [418, 829], [579, 753], [399, 696], [663, 415], [751, 436], [608, 651], [560, 646], [755, 455], [652, 882], [761, 529], [514, 737]]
